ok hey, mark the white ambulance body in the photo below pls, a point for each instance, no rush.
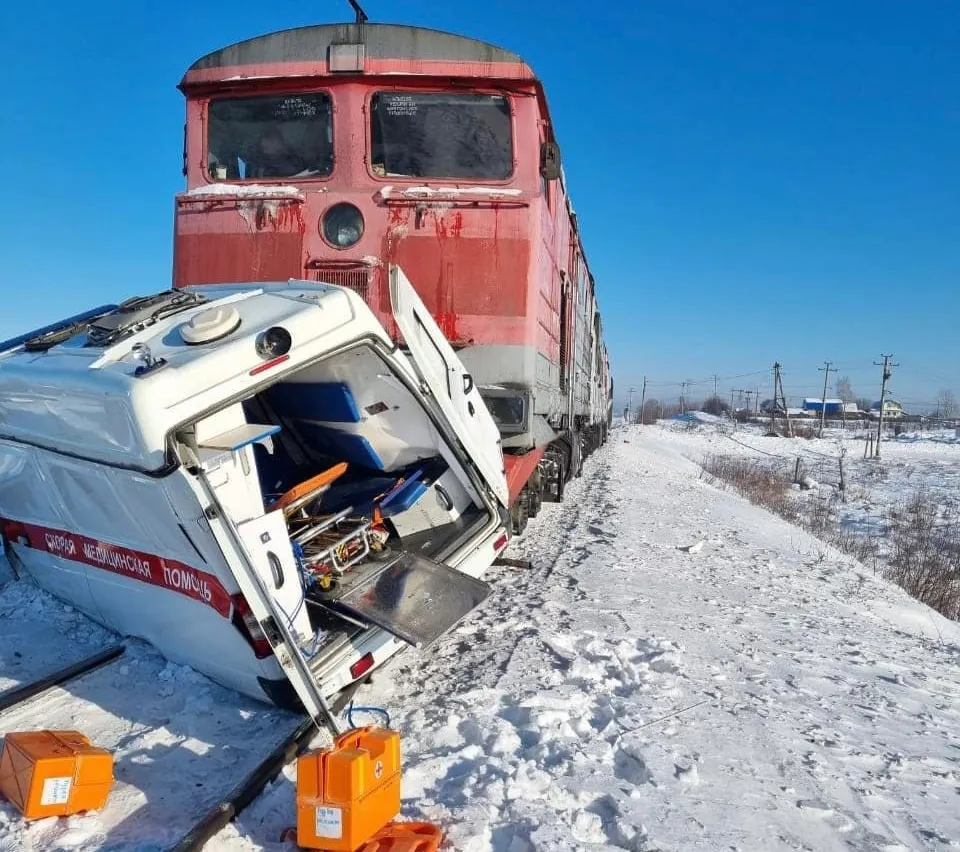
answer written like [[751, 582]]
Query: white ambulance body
[[254, 479]]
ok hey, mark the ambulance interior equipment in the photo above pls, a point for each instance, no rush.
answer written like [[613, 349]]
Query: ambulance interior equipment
[[337, 487]]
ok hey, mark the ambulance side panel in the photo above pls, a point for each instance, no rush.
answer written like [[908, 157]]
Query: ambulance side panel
[[27, 497], [110, 540]]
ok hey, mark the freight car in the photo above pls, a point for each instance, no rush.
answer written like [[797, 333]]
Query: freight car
[[332, 152]]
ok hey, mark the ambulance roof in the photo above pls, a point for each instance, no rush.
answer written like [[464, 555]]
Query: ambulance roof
[[87, 399]]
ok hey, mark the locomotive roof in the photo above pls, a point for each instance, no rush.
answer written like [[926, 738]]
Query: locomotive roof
[[381, 41]]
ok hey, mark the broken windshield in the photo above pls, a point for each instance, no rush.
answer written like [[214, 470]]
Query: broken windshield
[[270, 136], [441, 135]]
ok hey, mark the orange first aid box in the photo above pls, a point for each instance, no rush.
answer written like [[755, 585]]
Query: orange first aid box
[[347, 793], [54, 773]]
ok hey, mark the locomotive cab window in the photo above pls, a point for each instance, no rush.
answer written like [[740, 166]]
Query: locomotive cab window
[[270, 137], [441, 135]]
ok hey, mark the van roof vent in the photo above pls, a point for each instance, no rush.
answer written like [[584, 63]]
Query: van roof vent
[[138, 313], [210, 325]]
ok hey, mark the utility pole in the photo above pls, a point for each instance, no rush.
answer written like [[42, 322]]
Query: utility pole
[[739, 392], [732, 392], [748, 393], [683, 386], [779, 400], [716, 378], [883, 395], [823, 402], [630, 391], [756, 402], [643, 399]]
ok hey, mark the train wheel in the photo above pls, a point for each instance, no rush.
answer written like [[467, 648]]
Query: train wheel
[[536, 499], [520, 512]]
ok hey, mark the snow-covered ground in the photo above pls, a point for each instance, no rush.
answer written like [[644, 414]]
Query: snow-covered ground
[[913, 463], [180, 742], [678, 670]]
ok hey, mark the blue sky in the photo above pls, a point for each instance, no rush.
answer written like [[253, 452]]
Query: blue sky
[[756, 181]]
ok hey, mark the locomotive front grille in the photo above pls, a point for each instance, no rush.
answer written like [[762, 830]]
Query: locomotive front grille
[[356, 277]]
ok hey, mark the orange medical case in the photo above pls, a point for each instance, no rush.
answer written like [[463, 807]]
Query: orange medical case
[[54, 773], [347, 793]]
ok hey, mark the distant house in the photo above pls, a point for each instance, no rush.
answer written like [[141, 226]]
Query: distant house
[[891, 408], [832, 406]]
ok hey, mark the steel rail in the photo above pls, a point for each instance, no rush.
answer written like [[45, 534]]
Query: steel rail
[[20, 694], [223, 813]]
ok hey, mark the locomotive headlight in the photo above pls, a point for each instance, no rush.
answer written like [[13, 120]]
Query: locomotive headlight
[[342, 225]]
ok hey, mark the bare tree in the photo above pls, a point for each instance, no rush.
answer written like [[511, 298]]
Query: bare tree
[[715, 405], [845, 389], [863, 403], [652, 409], [946, 404]]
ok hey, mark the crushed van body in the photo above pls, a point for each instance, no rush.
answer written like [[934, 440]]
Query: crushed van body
[[255, 479]]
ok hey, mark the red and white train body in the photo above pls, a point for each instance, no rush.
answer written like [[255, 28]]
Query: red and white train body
[[330, 152]]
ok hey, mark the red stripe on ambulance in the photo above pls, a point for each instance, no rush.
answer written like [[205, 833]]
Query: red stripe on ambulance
[[145, 567]]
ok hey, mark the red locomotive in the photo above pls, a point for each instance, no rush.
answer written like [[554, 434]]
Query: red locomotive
[[327, 152]]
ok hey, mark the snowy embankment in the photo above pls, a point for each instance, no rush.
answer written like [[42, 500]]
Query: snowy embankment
[[758, 692], [678, 670]]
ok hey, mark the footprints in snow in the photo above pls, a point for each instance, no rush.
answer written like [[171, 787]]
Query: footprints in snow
[[554, 744]]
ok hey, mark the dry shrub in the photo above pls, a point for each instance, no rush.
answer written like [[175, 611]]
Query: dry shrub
[[822, 517], [802, 430], [925, 544], [762, 484], [923, 536]]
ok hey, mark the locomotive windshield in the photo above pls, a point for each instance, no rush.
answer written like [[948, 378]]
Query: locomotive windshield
[[275, 136], [432, 135]]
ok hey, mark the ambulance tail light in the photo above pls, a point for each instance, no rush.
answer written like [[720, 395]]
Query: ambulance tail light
[[245, 621], [361, 666]]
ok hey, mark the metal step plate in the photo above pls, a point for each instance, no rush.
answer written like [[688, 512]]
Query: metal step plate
[[414, 598]]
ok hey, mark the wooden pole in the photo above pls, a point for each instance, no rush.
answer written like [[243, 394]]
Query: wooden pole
[[823, 401], [883, 396]]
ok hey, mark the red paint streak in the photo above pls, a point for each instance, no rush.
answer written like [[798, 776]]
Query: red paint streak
[[256, 371], [136, 565]]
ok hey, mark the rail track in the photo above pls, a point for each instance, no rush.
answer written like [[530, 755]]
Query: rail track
[[57, 698]]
